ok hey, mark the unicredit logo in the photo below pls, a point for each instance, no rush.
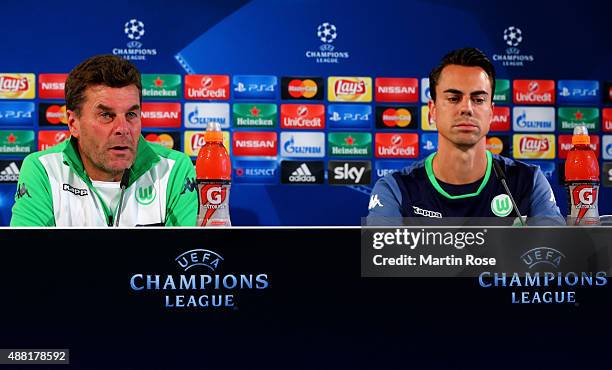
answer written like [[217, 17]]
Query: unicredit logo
[[348, 87], [396, 145], [211, 87], [534, 145], [13, 84], [534, 91], [311, 116]]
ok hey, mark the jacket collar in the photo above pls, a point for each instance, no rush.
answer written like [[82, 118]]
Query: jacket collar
[[145, 159]]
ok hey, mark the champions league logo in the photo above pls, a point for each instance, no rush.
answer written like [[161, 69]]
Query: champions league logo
[[327, 53], [205, 288], [513, 37], [134, 30], [546, 287]]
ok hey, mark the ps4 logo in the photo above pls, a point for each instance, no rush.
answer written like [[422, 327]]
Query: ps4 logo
[[254, 87], [335, 116], [578, 92]]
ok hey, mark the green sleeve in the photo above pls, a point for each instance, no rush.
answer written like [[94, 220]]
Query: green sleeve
[[182, 198], [33, 199]]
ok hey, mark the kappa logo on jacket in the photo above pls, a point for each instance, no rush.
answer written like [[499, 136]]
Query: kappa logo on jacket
[[76, 191]]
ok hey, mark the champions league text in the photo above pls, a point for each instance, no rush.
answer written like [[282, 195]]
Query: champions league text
[[553, 284], [206, 290]]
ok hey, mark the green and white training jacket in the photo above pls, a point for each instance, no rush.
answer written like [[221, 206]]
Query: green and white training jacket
[[54, 190]]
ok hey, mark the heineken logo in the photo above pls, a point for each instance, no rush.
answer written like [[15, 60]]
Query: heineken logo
[[350, 144], [501, 206], [254, 115], [161, 85], [145, 195]]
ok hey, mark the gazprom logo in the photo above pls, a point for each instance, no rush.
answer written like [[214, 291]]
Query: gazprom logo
[[303, 144], [533, 119], [425, 91], [198, 115]]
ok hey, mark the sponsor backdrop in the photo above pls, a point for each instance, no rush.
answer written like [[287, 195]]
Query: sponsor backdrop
[[317, 99]]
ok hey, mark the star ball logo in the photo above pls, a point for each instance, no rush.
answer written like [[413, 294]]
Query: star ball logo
[[200, 284], [327, 33], [513, 37], [134, 30]]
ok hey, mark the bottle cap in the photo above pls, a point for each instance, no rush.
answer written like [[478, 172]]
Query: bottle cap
[[213, 132], [581, 136]]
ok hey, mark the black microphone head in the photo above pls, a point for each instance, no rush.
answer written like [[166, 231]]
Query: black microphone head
[[499, 173], [125, 179]]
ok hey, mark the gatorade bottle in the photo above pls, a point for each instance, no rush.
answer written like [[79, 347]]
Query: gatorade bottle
[[582, 180], [213, 175]]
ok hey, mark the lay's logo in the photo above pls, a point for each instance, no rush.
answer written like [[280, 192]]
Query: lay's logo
[[194, 140], [17, 85], [534, 146], [350, 89]]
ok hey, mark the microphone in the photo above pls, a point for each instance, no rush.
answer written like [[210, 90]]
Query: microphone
[[501, 176], [125, 179]]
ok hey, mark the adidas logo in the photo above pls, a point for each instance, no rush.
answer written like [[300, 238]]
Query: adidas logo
[[302, 174], [10, 173]]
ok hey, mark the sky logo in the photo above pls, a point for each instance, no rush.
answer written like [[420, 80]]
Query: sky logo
[[349, 116], [254, 87], [577, 92]]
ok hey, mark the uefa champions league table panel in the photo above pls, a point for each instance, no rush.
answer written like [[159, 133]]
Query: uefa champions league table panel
[[277, 299]]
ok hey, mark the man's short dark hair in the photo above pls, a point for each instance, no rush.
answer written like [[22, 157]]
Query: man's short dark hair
[[108, 70], [467, 57]]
